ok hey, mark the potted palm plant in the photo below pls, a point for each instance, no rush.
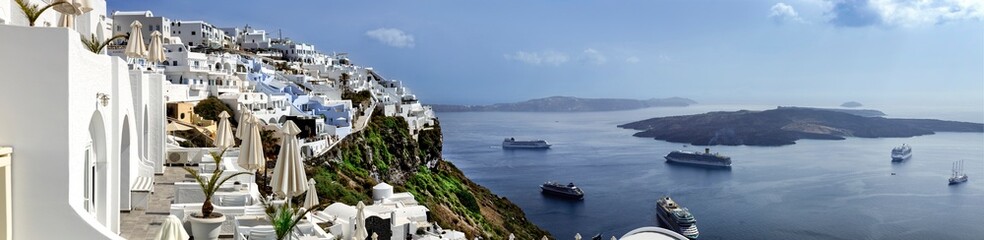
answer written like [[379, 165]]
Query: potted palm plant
[[96, 46], [205, 225], [285, 218]]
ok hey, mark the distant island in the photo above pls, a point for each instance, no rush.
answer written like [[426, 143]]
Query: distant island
[[568, 104], [851, 104], [785, 125]]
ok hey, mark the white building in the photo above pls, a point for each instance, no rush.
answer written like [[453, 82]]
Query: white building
[[401, 210], [150, 23], [83, 127], [253, 39], [297, 52], [198, 33]]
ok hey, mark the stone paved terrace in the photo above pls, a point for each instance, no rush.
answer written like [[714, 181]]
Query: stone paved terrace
[[145, 223]]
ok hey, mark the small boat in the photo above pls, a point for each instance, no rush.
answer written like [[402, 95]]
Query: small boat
[[958, 174], [901, 153], [533, 144], [557, 189]]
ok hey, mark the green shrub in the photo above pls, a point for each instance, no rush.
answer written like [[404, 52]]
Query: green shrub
[[468, 200], [211, 107]]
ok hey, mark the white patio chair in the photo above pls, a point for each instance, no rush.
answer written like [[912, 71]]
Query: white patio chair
[[262, 234], [232, 200], [255, 211]]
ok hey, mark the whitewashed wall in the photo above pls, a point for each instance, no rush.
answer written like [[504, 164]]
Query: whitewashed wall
[[50, 113]]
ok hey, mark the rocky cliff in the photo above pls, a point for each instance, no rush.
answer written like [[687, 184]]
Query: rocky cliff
[[385, 151]]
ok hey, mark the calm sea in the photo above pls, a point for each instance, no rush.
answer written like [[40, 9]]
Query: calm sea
[[811, 190]]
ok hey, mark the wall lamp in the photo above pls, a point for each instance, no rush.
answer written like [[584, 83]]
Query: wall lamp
[[103, 98]]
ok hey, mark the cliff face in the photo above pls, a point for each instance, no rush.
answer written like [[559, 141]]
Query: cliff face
[[385, 151]]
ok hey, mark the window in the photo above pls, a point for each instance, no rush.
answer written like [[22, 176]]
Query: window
[[175, 63], [89, 195], [192, 32], [182, 116], [118, 28]]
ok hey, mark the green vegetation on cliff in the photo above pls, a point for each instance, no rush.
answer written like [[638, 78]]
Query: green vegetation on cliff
[[386, 151]]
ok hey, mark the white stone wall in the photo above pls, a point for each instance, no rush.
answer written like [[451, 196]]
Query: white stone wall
[[50, 114]]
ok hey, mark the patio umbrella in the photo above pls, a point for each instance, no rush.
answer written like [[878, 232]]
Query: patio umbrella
[[172, 229], [244, 120], [223, 135], [83, 5], [69, 11], [156, 50], [70, 8], [174, 126], [67, 21], [135, 46], [375, 236], [360, 222], [311, 199], [251, 150], [577, 236], [289, 179], [512, 237]]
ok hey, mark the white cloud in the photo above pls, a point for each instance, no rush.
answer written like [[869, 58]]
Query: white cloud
[[632, 59], [664, 58], [537, 58], [907, 13], [594, 56], [782, 13], [392, 37]]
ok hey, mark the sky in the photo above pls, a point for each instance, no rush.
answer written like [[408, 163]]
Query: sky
[[791, 52]]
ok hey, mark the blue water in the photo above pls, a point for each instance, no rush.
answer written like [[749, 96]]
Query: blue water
[[814, 189]]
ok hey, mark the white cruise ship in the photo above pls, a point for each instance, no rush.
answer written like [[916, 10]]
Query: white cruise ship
[[901, 153], [705, 158], [534, 144]]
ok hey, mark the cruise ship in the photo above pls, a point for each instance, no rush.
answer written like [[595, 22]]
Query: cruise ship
[[901, 153], [705, 158], [568, 191], [676, 218], [534, 144]]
